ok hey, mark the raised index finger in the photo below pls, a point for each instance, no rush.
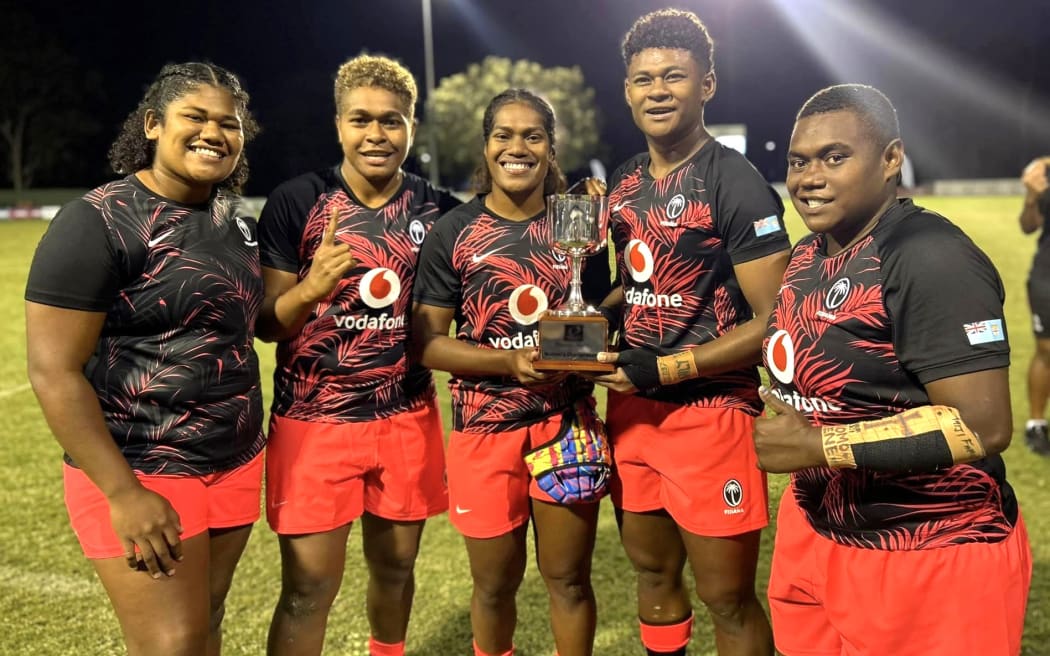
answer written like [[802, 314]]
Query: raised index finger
[[329, 231]]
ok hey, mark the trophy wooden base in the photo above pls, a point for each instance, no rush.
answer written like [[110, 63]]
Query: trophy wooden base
[[572, 343]]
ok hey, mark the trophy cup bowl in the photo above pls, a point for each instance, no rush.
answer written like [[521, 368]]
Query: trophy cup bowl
[[573, 334]]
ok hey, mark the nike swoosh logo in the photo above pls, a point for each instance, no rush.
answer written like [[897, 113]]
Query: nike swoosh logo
[[156, 240], [476, 259], [462, 511], [619, 206]]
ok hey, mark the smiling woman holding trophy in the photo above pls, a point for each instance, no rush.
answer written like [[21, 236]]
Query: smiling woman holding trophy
[[525, 444]]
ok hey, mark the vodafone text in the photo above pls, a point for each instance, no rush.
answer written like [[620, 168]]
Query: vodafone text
[[382, 322], [649, 299], [521, 340], [806, 404]]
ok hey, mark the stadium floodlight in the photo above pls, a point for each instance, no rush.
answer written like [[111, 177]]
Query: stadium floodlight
[[428, 57]]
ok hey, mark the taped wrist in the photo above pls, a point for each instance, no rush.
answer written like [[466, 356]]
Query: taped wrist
[[920, 439], [676, 368]]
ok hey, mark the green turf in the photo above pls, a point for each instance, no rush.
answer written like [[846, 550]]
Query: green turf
[[38, 196], [52, 603]]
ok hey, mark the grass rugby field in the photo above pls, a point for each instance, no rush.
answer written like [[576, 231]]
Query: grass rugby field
[[51, 603]]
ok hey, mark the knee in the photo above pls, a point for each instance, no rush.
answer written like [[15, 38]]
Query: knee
[[393, 568], [654, 574], [304, 597], [172, 640], [494, 592], [727, 606], [567, 584]]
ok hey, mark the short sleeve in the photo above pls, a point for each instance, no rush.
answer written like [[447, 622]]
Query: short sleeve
[[748, 212], [281, 224], [437, 281], [75, 265], [944, 298]]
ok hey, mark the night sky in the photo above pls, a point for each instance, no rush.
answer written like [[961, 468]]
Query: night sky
[[971, 81]]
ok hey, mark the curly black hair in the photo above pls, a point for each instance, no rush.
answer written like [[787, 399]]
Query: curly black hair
[[870, 105], [670, 28], [554, 182], [376, 71], [132, 151]]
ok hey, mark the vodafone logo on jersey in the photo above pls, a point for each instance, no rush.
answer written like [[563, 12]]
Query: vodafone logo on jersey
[[527, 303], [780, 360], [380, 288], [639, 260], [780, 357]]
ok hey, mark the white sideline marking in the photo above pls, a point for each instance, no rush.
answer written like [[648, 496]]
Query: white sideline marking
[[14, 390], [46, 583]]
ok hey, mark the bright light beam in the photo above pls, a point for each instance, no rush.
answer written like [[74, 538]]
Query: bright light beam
[[847, 37]]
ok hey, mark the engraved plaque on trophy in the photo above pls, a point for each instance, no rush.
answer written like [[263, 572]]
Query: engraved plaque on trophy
[[573, 334]]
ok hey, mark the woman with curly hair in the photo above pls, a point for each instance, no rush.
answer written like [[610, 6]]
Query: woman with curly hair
[[140, 314], [355, 431]]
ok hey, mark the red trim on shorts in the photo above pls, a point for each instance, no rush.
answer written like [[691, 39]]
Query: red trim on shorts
[[697, 463], [828, 599], [219, 500], [489, 486], [321, 476]]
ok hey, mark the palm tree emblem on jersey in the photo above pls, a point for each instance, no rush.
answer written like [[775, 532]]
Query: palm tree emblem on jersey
[[732, 493]]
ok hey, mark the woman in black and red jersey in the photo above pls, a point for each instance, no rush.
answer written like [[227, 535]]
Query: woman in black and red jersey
[[888, 359], [489, 266], [141, 303]]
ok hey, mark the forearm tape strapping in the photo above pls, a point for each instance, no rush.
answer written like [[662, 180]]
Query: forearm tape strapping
[[920, 439], [676, 368]]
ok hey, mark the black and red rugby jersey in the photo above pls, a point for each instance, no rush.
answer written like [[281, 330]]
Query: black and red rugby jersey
[[500, 276], [855, 337], [677, 240], [349, 362], [175, 370]]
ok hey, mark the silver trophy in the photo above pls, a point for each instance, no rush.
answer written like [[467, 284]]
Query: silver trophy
[[573, 334]]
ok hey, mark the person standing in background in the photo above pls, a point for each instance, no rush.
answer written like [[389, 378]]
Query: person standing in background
[[1034, 217]]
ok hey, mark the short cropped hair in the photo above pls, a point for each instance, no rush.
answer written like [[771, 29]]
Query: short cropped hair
[[376, 71], [872, 106], [670, 28]]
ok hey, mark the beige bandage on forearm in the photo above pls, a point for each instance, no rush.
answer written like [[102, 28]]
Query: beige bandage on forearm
[[928, 426], [676, 368]]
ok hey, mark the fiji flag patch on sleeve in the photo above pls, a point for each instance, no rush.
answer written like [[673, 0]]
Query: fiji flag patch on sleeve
[[767, 226], [983, 332]]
